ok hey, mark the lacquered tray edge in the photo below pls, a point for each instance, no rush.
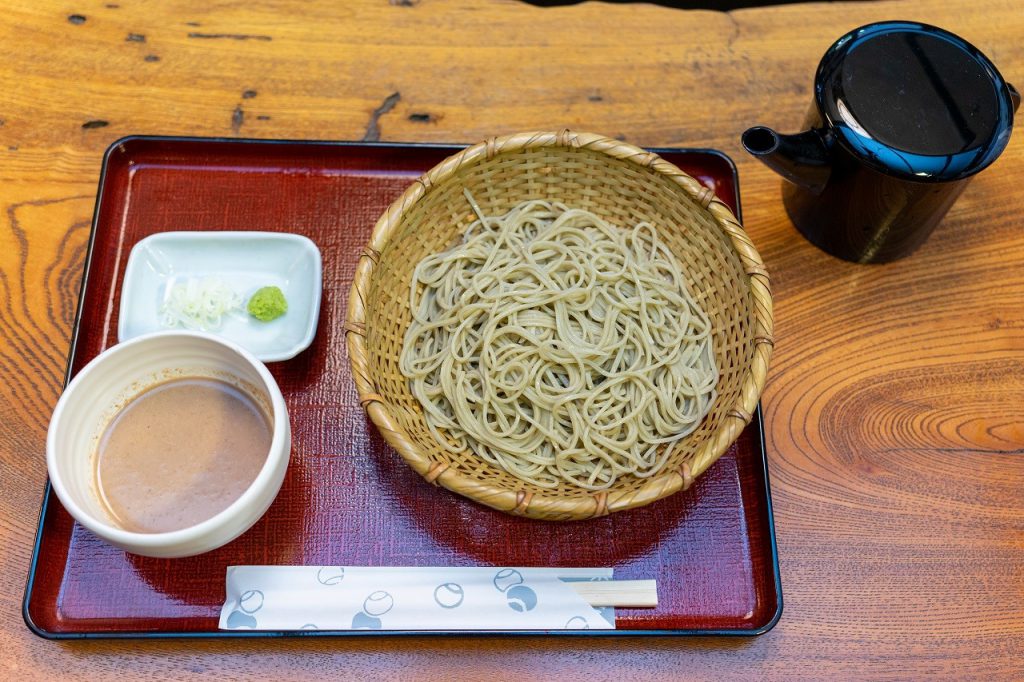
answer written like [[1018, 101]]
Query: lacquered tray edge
[[232, 634], [30, 582], [46, 634]]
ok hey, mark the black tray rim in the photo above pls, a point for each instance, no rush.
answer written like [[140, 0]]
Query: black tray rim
[[117, 145]]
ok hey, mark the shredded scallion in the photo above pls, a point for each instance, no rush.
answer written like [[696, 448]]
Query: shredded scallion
[[199, 303]]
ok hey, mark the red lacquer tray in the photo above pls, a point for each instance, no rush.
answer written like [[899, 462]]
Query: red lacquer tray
[[348, 499]]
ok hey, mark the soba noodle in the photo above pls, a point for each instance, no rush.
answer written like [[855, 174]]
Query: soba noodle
[[559, 347]]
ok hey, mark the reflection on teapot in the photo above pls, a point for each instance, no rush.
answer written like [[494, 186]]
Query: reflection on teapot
[[904, 114]]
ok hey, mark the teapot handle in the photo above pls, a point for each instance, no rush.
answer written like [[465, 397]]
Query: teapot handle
[[1014, 96]]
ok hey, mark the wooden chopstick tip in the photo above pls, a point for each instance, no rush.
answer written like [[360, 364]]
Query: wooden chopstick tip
[[621, 593]]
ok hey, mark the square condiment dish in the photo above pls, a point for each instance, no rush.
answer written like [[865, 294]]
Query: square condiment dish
[[245, 261]]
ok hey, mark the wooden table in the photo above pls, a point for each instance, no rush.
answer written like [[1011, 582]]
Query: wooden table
[[894, 416]]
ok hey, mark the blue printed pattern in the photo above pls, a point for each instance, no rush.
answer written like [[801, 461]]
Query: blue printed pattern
[[359, 598]]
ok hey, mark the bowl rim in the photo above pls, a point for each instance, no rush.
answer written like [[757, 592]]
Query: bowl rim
[[525, 502]]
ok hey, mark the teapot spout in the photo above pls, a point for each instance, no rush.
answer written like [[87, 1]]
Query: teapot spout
[[802, 159]]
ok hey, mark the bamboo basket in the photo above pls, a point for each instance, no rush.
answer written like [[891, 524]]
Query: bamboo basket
[[620, 182]]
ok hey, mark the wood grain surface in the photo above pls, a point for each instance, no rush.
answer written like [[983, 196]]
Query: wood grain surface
[[894, 417]]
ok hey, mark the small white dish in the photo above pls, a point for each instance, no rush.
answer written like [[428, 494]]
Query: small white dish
[[246, 261]]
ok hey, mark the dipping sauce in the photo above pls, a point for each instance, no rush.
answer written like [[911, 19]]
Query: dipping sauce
[[179, 453]]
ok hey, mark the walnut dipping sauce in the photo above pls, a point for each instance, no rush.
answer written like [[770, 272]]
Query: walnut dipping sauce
[[179, 453], [169, 444]]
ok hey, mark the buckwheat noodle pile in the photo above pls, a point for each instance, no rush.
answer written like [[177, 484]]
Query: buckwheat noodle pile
[[559, 347]]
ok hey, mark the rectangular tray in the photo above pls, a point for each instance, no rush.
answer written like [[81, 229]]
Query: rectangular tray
[[348, 499]]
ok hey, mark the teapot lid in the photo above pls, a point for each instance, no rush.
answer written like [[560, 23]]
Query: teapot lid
[[915, 101]]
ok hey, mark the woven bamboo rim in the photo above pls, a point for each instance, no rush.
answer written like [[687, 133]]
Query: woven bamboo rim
[[520, 165]]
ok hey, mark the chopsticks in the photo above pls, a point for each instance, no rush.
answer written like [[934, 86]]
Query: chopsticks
[[624, 593]]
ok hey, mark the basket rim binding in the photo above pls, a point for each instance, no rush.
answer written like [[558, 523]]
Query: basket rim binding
[[524, 502]]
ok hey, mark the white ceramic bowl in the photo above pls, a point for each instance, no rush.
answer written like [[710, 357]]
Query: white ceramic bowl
[[103, 386]]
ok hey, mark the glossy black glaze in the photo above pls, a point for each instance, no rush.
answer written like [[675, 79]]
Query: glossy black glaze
[[904, 114], [803, 159]]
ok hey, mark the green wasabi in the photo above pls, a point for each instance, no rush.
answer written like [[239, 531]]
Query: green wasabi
[[268, 303]]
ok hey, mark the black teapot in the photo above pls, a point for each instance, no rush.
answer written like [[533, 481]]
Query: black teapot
[[904, 114]]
